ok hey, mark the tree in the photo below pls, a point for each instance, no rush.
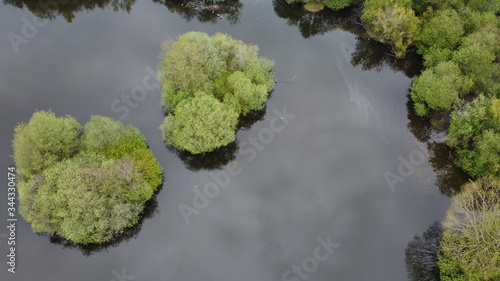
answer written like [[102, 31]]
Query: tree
[[200, 124], [477, 57], [92, 186], [470, 243], [443, 31], [439, 87], [392, 24], [475, 133], [46, 139], [198, 62]]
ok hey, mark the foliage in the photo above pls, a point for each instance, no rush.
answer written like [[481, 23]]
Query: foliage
[[339, 4], [44, 141], [477, 57], [393, 24], [443, 31], [96, 184], [439, 87], [471, 241], [200, 124], [475, 134], [207, 83]]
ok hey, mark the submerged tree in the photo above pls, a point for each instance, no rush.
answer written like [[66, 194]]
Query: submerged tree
[[92, 186], [208, 82]]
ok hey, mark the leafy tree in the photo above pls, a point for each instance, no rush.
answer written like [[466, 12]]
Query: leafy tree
[[393, 24], [92, 186], [477, 58], [199, 62], [470, 243], [200, 124], [46, 139], [339, 4], [439, 87], [475, 133], [443, 31], [208, 82]]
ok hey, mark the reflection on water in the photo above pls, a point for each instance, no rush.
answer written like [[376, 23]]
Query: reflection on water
[[449, 177], [373, 55], [204, 11], [421, 255], [208, 160], [150, 209], [50, 9], [311, 24], [358, 94]]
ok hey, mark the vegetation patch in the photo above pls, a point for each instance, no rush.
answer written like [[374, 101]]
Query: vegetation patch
[[207, 83], [84, 184], [314, 6]]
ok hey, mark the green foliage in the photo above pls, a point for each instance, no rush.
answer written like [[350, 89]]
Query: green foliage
[[207, 83], [45, 140], [470, 242], [338, 4], [199, 62], [475, 134], [94, 195], [392, 23], [443, 31], [200, 124], [439, 87], [477, 58], [435, 55]]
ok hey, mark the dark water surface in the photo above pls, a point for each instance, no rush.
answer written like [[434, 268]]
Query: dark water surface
[[320, 177]]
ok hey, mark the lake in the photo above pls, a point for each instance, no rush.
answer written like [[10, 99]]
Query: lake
[[330, 182]]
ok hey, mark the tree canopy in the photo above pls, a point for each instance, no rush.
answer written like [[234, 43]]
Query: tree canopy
[[470, 246], [207, 83], [95, 179]]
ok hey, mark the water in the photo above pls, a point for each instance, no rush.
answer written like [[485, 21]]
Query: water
[[320, 176]]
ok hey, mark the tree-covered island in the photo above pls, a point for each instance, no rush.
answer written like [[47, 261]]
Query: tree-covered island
[[208, 83], [85, 184]]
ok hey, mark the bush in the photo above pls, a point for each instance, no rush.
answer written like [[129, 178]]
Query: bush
[[444, 31], [88, 193], [207, 83]]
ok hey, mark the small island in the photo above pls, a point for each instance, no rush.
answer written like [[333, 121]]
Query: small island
[[87, 184], [208, 83]]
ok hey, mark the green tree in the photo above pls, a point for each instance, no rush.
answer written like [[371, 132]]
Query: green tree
[[470, 246], [475, 134], [200, 124], [392, 23], [46, 139], [439, 87], [477, 58], [444, 31]]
